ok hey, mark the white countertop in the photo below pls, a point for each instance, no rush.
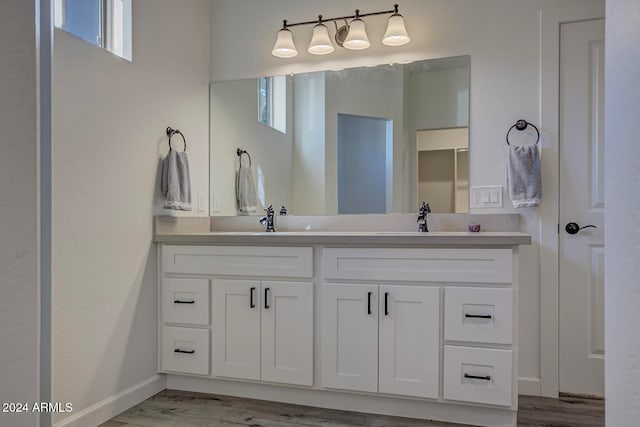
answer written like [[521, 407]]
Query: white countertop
[[382, 238]]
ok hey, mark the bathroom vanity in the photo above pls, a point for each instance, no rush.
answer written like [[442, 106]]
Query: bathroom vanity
[[393, 322]]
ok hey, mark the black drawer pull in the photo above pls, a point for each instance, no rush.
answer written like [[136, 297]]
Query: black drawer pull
[[478, 316], [369, 303], [478, 377], [184, 302], [386, 303], [177, 350], [266, 298], [252, 303]]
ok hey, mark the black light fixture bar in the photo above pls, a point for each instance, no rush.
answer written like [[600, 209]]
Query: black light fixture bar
[[341, 18]]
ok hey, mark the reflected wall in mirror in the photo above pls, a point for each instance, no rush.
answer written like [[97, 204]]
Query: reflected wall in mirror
[[355, 141]]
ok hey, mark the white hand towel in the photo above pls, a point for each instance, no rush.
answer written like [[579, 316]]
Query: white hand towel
[[245, 190], [176, 181], [524, 181]]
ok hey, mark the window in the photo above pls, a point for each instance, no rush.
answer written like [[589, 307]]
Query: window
[[272, 102], [104, 23]]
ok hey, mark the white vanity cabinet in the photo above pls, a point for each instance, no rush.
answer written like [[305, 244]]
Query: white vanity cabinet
[[237, 312], [263, 330], [395, 347], [381, 338], [421, 331]]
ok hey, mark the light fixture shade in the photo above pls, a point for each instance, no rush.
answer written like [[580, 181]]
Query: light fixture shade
[[284, 47], [320, 41], [357, 38], [396, 34]]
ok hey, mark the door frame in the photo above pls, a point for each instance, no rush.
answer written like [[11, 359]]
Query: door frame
[[550, 21]]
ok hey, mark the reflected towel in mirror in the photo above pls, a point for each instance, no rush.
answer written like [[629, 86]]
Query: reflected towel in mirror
[[245, 190]]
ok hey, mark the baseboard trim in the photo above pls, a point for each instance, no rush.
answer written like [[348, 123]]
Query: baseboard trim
[[108, 408], [529, 386]]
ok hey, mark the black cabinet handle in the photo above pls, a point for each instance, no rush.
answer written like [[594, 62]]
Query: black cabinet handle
[[478, 316], [252, 303], [266, 298], [369, 303], [386, 303], [183, 302], [177, 350], [478, 377]]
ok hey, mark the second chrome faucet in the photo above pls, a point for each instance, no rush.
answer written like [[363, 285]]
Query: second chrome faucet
[[268, 220], [423, 214]]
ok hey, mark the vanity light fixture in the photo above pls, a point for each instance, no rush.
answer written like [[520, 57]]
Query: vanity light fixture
[[320, 41], [352, 35], [357, 38], [396, 34], [284, 47]]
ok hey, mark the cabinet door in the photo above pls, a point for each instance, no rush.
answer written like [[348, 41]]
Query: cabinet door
[[236, 328], [350, 337], [409, 340], [287, 333]]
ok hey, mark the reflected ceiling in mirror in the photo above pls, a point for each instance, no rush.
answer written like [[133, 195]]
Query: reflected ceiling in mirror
[[361, 140]]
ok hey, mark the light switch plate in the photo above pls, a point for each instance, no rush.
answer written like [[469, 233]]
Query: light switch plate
[[487, 197], [216, 203], [202, 202]]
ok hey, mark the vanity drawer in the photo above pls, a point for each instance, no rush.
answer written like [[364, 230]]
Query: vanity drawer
[[478, 315], [418, 265], [478, 375], [185, 350], [238, 260], [185, 301]]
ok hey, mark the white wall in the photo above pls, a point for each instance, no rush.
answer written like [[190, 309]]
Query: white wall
[[18, 210], [309, 153], [622, 218], [372, 93], [501, 36], [109, 122], [439, 98], [271, 151], [433, 99]]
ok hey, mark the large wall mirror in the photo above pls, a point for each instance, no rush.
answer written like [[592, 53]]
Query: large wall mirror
[[354, 141]]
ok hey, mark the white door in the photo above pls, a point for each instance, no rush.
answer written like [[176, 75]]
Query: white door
[[409, 340], [287, 333], [581, 254], [350, 337], [236, 328]]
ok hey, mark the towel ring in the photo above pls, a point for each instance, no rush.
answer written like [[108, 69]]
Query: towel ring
[[240, 152], [520, 126], [171, 132]]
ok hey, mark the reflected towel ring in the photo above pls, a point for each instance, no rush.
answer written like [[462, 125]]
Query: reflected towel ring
[[240, 152], [171, 132], [520, 126]]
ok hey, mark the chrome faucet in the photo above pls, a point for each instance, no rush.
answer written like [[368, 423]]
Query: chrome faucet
[[423, 213], [283, 211], [268, 220]]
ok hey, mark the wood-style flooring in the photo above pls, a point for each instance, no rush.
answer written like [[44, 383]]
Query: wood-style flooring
[[185, 409]]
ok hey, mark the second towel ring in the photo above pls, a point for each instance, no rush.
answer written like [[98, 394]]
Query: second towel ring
[[520, 126], [240, 153], [171, 132]]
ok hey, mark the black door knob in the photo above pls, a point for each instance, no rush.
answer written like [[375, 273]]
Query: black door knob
[[573, 228]]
